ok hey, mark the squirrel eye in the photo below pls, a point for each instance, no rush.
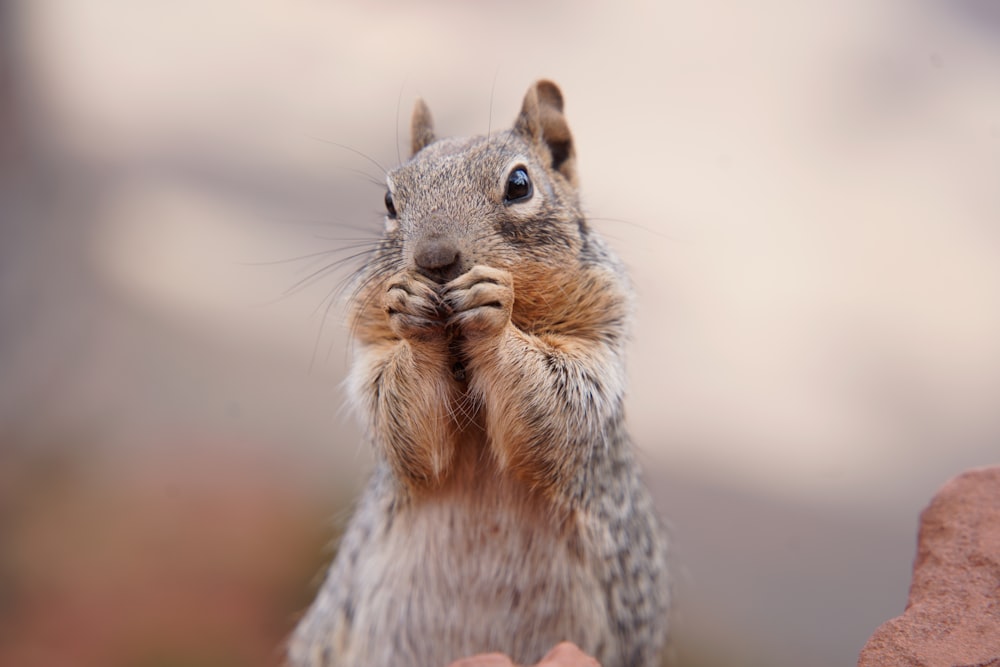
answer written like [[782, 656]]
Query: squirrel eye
[[518, 186], [390, 207]]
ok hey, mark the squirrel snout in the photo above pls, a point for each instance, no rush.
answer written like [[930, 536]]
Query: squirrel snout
[[437, 257]]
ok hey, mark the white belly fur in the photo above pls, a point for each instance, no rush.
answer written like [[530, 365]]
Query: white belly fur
[[478, 568]]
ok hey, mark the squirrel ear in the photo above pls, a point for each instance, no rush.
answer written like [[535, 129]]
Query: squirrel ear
[[542, 122], [421, 127]]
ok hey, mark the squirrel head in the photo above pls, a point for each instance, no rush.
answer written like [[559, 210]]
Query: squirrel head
[[496, 200], [508, 201]]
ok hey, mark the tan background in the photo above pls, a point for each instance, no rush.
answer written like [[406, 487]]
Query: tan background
[[806, 193]]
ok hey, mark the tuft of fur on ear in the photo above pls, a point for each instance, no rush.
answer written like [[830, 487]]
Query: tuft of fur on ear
[[421, 127], [542, 122]]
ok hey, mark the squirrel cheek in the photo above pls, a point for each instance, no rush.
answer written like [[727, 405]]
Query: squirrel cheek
[[391, 225]]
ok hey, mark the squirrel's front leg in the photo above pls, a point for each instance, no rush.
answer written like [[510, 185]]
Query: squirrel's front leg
[[404, 383], [548, 399]]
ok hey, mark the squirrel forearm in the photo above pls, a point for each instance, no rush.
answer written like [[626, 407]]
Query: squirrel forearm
[[405, 393], [549, 400]]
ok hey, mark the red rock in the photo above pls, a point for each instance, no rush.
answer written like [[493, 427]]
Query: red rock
[[952, 618], [564, 654], [484, 660], [567, 655]]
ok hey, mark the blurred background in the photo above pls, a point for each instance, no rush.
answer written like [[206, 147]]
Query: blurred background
[[807, 195]]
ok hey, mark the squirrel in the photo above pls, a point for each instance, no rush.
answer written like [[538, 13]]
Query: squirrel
[[505, 512]]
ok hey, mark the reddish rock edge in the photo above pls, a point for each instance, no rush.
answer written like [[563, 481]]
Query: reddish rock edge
[[563, 655], [952, 618]]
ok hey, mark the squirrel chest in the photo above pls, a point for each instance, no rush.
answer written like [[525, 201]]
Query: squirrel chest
[[449, 562]]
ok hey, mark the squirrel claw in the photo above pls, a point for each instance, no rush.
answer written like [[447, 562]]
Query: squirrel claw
[[481, 300], [415, 310]]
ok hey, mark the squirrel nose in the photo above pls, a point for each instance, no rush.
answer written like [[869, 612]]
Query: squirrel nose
[[437, 257]]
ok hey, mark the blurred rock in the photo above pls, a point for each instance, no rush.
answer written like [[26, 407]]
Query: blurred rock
[[952, 618], [564, 654]]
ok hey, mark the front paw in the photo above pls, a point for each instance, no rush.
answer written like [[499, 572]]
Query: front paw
[[480, 300], [415, 310]]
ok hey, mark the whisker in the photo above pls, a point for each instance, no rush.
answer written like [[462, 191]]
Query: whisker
[[361, 280], [327, 222], [319, 337], [359, 243], [332, 297], [355, 151], [367, 275], [470, 407], [510, 135], [399, 104], [315, 275], [371, 239], [338, 290], [493, 90], [366, 246], [365, 176], [463, 411], [636, 225]]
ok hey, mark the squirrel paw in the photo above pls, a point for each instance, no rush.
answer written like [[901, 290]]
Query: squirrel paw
[[481, 300], [414, 308]]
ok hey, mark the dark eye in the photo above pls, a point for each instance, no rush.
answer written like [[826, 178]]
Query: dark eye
[[518, 186], [390, 207]]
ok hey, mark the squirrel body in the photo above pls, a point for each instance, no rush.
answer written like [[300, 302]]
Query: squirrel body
[[505, 512]]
